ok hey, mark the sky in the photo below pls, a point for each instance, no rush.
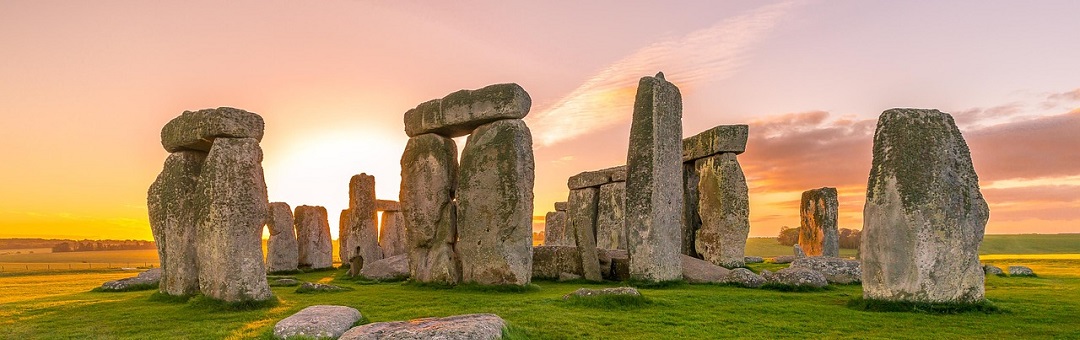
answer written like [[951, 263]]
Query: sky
[[85, 88]]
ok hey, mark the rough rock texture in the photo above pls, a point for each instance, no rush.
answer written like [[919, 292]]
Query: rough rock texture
[[691, 219], [586, 292], [700, 271], [654, 196], [281, 249], [392, 234], [596, 178], [582, 213], [197, 130], [428, 172], [495, 204], [390, 268], [783, 259], [743, 277], [1020, 271], [313, 237], [924, 216], [563, 277], [818, 234], [461, 112], [797, 251], [173, 203], [312, 287], [619, 265], [551, 261], [797, 277], [835, 270], [561, 206], [990, 269], [714, 141], [343, 236], [555, 229], [150, 277], [753, 259], [611, 216], [319, 321], [387, 205], [724, 207], [458, 327], [363, 219], [231, 266]]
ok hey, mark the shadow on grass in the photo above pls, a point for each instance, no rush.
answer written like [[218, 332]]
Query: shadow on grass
[[872, 305]]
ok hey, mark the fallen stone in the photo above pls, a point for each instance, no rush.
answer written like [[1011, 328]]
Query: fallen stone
[[596, 178], [549, 262], [458, 327], [281, 249], [835, 270], [587, 292], [319, 321], [363, 219], [990, 269], [428, 171], [313, 237], [654, 197], [146, 280], [563, 277], [387, 205], [1020, 271], [312, 287], [173, 203], [284, 282], [783, 259], [495, 204], [390, 268], [700, 271], [743, 277], [555, 229], [753, 259], [795, 277], [461, 112], [611, 216], [924, 213], [818, 234], [392, 234], [715, 141], [724, 208], [582, 216], [196, 130]]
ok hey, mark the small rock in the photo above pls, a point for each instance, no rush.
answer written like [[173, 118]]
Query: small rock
[[753, 259], [311, 287], [586, 292], [743, 277], [783, 259], [835, 270], [320, 321], [390, 268], [149, 279], [568, 277], [796, 277], [463, 327], [1020, 271], [990, 269]]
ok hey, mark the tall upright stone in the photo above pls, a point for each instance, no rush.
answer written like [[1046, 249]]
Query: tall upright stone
[[428, 171], [363, 232], [691, 218], [654, 197], [724, 207], [231, 264], [555, 228], [582, 215], [818, 233], [173, 203], [924, 216], [313, 237], [392, 234], [495, 204], [282, 252], [344, 250], [611, 216]]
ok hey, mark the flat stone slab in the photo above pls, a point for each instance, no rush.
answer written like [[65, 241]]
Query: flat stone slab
[[312, 287], [595, 178], [586, 292], [783, 259], [700, 271], [320, 321], [835, 270], [717, 140], [797, 277], [387, 205], [461, 112], [753, 259], [196, 130], [561, 206], [463, 327], [147, 278]]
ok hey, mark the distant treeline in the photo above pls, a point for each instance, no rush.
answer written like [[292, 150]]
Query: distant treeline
[[849, 238], [61, 245]]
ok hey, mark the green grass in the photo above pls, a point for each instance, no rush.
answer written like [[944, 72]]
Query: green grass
[[609, 302], [1030, 244]]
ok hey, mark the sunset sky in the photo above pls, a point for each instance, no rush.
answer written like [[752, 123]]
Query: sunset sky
[[85, 87]]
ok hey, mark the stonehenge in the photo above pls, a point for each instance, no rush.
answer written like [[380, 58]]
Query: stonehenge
[[818, 233], [391, 228], [315, 248], [469, 222], [208, 206], [282, 251], [716, 215], [361, 236], [924, 216], [556, 226]]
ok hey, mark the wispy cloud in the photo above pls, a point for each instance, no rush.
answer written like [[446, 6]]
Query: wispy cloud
[[607, 98]]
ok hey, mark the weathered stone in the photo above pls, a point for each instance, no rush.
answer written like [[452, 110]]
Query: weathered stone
[[724, 207], [582, 216], [387, 205], [319, 321], [753, 259], [587, 292], [924, 216], [344, 250], [495, 204], [458, 327], [551, 261], [428, 172], [390, 268], [611, 216], [149, 279], [715, 141], [363, 228], [281, 249], [561, 206], [783, 259], [231, 266], [197, 130], [1020, 271], [461, 112], [595, 178], [284, 282], [691, 219], [313, 237], [620, 265], [700, 271], [173, 202], [392, 234], [797, 251], [835, 270], [563, 277], [818, 234], [990, 269], [796, 277], [312, 287], [654, 197], [743, 277], [555, 229]]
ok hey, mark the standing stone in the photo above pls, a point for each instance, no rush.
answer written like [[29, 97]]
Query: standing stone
[[231, 264], [392, 234], [724, 207], [281, 249], [313, 237], [363, 221], [344, 250], [495, 204], [654, 197], [924, 216], [818, 234], [428, 171], [611, 216], [173, 202], [555, 227], [691, 218], [582, 216]]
